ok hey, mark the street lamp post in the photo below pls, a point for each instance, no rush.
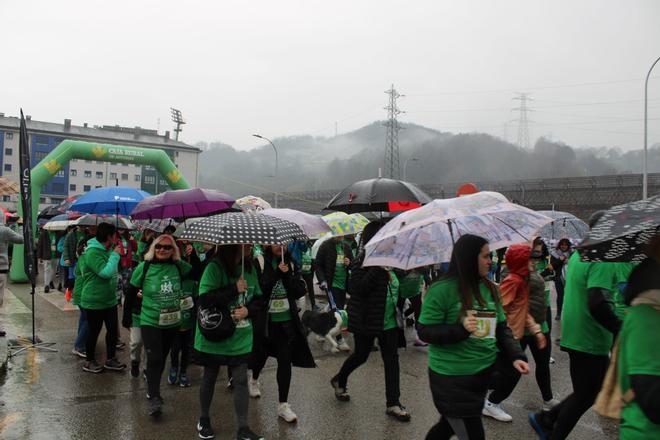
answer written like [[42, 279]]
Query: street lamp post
[[405, 166], [275, 150], [645, 170]]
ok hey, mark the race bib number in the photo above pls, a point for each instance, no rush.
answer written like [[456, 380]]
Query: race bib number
[[187, 303], [306, 267], [279, 305], [340, 259], [169, 317], [486, 324]]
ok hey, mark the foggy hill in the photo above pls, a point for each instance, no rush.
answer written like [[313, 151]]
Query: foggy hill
[[310, 163]]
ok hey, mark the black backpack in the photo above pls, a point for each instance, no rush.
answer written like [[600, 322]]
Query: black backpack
[[215, 322]]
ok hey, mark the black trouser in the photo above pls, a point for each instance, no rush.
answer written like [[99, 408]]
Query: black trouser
[[559, 287], [388, 341], [309, 282], [241, 396], [280, 337], [157, 343], [587, 374], [95, 320], [182, 343], [469, 428], [466, 428], [508, 376], [415, 305], [340, 297]]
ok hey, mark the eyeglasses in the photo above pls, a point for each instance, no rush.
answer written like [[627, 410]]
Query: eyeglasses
[[165, 247]]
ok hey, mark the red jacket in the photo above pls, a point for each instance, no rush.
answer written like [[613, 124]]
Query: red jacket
[[126, 259], [515, 291]]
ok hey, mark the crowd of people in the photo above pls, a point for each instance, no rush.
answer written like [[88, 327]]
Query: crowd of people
[[477, 318]]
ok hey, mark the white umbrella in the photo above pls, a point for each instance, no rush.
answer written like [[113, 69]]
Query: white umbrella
[[93, 220], [311, 225], [426, 235]]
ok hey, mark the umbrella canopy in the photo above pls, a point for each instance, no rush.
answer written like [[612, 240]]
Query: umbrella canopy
[[110, 200], [49, 212], [8, 187], [183, 203], [59, 223], [386, 195], [155, 225], [243, 228], [563, 225], [311, 225], [426, 235], [252, 203], [317, 244], [622, 232], [61, 208], [341, 223], [94, 219]]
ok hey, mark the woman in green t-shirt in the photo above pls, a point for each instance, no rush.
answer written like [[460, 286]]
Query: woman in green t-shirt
[[228, 282], [278, 331], [464, 323], [158, 281]]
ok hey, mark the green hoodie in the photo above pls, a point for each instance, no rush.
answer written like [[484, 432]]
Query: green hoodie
[[77, 287], [99, 277]]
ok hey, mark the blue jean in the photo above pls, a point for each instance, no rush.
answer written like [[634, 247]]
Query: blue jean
[[83, 331]]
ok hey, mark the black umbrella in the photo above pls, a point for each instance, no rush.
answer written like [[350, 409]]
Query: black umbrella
[[243, 228], [622, 232], [384, 195]]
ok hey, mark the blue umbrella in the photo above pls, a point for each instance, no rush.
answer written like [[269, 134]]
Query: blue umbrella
[[111, 200]]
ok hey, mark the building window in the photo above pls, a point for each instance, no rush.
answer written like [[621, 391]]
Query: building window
[[124, 176], [88, 173], [98, 186], [99, 174], [39, 155], [137, 178], [150, 179], [42, 200], [60, 173], [58, 187], [9, 152], [73, 173], [9, 135], [6, 198], [87, 188], [113, 176], [72, 187], [7, 167]]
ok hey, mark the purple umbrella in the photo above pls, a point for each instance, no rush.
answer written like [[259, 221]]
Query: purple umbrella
[[183, 203]]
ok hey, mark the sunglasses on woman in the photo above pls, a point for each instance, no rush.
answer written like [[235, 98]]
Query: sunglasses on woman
[[165, 247]]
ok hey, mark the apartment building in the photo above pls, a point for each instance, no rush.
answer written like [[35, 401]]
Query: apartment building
[[80, 176]]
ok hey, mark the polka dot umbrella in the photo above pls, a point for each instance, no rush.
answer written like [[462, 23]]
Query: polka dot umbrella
[[243, 228]]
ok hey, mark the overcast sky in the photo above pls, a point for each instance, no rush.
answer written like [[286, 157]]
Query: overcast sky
[[283, 68]]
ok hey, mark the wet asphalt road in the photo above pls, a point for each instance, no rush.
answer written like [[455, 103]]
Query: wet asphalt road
[[48, 396]]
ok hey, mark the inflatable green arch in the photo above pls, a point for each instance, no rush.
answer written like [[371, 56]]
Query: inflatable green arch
[[67, 150]]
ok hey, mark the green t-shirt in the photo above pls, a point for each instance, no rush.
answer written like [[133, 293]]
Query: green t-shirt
[[278, 306], [240, 343], [638, 354], [622, 273], [161, 293], [390, 302], [339, 280], [579, 330], [306, 263], [442, 305], [188, 295], [411, 285]]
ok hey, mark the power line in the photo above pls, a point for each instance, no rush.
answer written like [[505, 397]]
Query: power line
[[392, 167], [523, 128]]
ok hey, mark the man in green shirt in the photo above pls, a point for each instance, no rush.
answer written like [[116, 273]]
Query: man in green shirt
[[589, 325]]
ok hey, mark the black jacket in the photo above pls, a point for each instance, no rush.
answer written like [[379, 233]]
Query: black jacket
[[326, 260], [295, 288], [366, 305]]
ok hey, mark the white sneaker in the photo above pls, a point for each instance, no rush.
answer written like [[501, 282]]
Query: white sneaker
[[496, 412], [552, 360], [284, 411], [343, 346], [549, 404], [254, 387]]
